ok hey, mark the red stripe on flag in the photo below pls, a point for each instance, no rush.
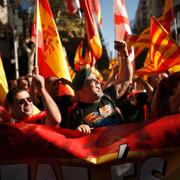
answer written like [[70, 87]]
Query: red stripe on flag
[[46, 6], [119, 19]]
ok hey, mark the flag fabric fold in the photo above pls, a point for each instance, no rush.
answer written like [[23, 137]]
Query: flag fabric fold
[[40, 142], [72, 6], [168, 15], [97, 10], [51, 58], [138, 41], [3, 83], [122, 25], [142, 40], [164, 53], [121, 21], [91, 29], [78, 59]]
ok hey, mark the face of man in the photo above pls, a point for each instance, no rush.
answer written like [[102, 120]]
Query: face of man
[[22, 105], [91, 90]]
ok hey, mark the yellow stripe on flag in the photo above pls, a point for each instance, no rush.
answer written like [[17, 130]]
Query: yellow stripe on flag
[[3, 83], [51, 57], [164, 52]]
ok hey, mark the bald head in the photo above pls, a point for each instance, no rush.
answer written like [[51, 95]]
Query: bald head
[[52, 85]]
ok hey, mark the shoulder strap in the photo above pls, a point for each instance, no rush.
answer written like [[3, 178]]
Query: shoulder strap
[[115, 107], [75, 116], [110, 99]]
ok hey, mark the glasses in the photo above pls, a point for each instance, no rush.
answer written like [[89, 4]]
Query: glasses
[[92, 80], [23, 101]]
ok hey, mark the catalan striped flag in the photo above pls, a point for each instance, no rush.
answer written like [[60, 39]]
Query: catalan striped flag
[[50, 55], [137, 41], [91, 29], [164, 52], [3, 83], [142, 40]]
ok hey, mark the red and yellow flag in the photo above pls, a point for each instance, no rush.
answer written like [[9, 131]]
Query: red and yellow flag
[[78, 59], [91, 29], [143, 139], [142, 40], [138, 41], [51, 58], [164, 52], [3, 83], [122, 24], [168, 14], [72, 6], [83, 59], [97, 10]]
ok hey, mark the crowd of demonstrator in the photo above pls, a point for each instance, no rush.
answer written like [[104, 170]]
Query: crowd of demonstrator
[[119, 99]]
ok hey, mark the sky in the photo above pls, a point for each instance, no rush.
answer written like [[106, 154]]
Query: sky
[[107, 19]]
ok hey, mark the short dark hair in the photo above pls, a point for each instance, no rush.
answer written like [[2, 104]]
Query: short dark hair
[[12, 93]]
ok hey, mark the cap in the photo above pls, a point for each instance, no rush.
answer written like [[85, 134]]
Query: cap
[[80, 78]]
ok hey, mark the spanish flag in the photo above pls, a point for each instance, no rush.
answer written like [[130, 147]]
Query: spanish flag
[[91, 29], [78, 59], [50, 55], [3, 83], [164, 52]]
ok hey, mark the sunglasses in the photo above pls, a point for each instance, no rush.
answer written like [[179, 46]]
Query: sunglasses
[[92, 80], [23, 100]]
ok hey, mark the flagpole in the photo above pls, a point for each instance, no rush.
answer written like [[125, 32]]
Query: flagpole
[[80, 14], [15, 34], [37, 15], [175, 29], [174, 20], [115, 35]]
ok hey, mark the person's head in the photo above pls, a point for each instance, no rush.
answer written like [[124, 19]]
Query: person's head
[[23, 83], [168, 86], [20, 103], [52, 85], [155, 79], [12, 83], [86, 86]]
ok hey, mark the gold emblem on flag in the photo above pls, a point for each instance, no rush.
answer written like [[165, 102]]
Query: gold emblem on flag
[[50, 37]]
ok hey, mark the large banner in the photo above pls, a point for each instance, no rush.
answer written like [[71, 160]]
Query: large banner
[[142, 150]]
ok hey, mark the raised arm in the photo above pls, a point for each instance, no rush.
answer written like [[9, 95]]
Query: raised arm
[[125, 71], [53, 113]]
